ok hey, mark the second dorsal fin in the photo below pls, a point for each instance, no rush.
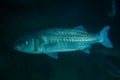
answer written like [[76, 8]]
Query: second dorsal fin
[[80, 28]]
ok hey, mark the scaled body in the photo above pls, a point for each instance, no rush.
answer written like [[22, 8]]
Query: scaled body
[[61, 40]]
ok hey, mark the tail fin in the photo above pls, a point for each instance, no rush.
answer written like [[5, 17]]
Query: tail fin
[[104, 36]]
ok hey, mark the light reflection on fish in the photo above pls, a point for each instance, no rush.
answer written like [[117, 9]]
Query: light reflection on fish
[[52, 41]]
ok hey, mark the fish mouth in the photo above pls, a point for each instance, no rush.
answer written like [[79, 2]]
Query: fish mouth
[[16, 48]]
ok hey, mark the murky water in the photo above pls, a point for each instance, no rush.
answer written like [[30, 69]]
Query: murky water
[[22, 17]]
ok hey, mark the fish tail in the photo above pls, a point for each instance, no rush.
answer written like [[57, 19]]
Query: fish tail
[[104, 36]]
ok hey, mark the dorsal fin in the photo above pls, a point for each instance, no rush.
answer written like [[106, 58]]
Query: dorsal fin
[[80, 28]]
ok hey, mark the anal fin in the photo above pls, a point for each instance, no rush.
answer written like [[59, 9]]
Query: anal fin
[[53, 55], [87, 50]]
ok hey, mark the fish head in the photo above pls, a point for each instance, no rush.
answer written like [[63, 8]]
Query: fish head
[[31, 46]]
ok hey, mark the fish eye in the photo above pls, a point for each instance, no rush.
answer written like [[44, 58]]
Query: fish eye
[[22, 42], [26, 43]]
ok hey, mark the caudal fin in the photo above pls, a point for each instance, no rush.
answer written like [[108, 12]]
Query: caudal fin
[[104, 36]]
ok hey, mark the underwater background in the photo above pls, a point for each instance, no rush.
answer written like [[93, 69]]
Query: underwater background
[[22, 17]]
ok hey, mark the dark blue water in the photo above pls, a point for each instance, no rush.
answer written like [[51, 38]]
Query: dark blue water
[[22, 17]]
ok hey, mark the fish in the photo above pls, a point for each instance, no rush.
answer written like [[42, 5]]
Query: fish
[[52, 41]]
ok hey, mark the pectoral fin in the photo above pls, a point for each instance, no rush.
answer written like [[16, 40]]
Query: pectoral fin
[[53, 55]]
